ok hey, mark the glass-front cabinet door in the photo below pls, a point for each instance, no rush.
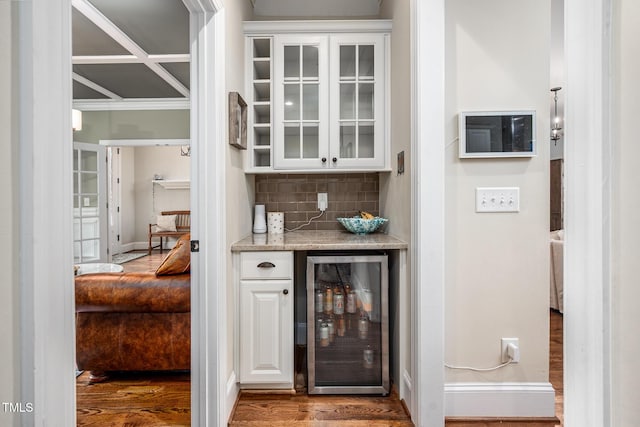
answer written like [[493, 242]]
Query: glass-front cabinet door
[[357, 101], [301, 102]]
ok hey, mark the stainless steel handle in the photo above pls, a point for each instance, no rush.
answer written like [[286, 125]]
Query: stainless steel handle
[[266, 264], [286, 291]]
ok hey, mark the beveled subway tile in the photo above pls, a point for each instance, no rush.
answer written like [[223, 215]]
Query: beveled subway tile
[[287, 206], [308, 206], [371, 196], [287, 187], [279, 197], [295, 216], [307, 187]]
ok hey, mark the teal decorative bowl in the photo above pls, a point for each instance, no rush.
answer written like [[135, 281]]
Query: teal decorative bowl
[[358, 225]]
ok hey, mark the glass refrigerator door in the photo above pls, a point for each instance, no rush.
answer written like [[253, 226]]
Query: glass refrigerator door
[[347, 324]]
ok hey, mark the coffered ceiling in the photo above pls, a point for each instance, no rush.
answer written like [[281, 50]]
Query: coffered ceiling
[[130, 54], [127, 50]]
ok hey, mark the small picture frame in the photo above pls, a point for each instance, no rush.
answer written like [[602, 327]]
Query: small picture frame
[[237, 121]]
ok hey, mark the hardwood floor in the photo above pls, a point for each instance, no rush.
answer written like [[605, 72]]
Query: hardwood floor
[[157, 399], [135, 399], [299, 409], [556, 361]]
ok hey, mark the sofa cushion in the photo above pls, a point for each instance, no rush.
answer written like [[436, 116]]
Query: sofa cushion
[[178, 260]]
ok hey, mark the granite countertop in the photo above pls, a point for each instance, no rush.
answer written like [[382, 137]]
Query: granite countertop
[[317, 240]]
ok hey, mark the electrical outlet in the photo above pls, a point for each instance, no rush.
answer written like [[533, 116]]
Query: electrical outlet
[[323, 201], [510, 350]]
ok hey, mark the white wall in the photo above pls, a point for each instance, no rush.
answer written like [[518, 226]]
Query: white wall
[[9, 303], [395, 190], [497, 266], [151, 199], [626, 205], [239, 187], [151, 124]]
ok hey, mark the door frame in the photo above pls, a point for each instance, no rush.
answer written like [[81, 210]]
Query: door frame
[[43, 101], [46, 279], [114, 199], [587, 314]]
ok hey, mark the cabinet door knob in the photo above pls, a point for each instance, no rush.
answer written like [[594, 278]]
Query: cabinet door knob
[[266, 264], [286, 291], [335, 159], [324, 160]]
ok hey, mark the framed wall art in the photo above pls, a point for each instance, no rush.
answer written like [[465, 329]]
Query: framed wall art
[[237, 121]]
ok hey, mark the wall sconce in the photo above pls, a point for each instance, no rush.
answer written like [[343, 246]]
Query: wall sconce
[[556, 128], [76, 119]]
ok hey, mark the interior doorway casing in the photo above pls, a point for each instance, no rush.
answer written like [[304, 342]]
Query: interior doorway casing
[[43, 101], [46, 281]]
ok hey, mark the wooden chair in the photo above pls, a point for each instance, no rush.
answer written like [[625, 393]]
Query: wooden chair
[[183, 226]]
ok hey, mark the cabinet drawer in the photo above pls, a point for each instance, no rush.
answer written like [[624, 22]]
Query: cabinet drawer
[[266, 265]]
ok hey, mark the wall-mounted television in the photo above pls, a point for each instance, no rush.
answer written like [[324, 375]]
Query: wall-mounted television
[[497, 133]]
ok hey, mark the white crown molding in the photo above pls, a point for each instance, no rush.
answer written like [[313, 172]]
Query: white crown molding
[[324, 8], [132, 104], [499, 399], [144, 142], [318, 26]]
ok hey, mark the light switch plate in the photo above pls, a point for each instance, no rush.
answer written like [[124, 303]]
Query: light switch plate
[[498, 199]]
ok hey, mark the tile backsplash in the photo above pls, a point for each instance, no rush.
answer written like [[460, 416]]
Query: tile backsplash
[[297, 196]]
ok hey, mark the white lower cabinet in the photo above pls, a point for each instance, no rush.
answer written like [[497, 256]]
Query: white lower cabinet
[[266, 319]]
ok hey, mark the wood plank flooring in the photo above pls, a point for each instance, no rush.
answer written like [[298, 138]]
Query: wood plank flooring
[[299, 409], [156, 399], [135, 399]]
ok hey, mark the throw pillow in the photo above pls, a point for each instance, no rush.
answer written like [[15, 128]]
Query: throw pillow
[[178, 260], [166, 223]]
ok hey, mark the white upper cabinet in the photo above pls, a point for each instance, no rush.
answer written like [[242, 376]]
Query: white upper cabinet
[[324, 105]]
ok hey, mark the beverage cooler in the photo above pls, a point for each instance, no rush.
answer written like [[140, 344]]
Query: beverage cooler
[[347, 324]]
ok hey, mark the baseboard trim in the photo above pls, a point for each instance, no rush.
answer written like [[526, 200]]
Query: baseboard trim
[[510, 421], [232, 395], [406, 389], [491, 400]]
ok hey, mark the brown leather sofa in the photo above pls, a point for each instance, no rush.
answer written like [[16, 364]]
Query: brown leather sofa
[[133, 322]]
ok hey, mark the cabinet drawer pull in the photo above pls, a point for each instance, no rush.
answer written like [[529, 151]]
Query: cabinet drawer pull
[[335, 159], [324, 160], [286, 291], [266, 264]]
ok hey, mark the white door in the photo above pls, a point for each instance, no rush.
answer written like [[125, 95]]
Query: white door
[[266, 332], [89, 203], [358, 114], [301, 101]]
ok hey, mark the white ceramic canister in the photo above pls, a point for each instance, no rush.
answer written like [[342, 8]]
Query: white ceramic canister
[[275, 222], [259, 222]]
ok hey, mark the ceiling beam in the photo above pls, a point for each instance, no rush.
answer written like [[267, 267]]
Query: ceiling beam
[[102, 22], [129, 59], [106, 92]]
